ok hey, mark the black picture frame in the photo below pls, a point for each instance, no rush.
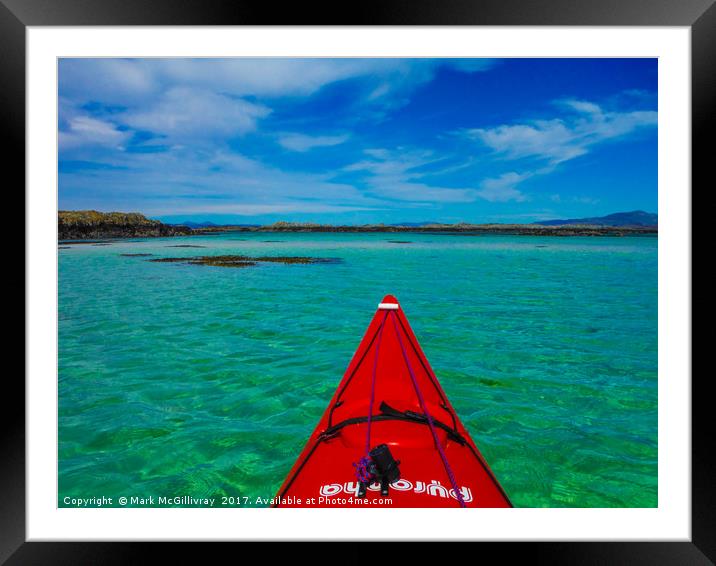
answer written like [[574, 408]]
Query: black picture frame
[[16, 15]]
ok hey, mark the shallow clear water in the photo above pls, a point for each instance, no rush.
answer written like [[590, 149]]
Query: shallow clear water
[[206, 381]]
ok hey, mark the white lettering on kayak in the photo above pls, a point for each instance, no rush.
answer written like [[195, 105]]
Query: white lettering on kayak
[[433, 489]]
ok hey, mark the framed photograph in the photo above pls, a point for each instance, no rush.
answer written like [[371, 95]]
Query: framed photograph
[[431, 261]]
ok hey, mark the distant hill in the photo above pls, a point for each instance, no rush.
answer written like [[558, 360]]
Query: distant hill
[[634, 218]]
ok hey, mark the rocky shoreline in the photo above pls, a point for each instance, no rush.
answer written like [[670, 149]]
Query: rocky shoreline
[[452, 229], [93, 225]]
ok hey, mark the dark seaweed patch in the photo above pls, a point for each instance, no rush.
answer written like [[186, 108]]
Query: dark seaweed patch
[[82, 242], [242, 260]]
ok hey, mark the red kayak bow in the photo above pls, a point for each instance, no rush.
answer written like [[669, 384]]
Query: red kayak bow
[[391, 425]]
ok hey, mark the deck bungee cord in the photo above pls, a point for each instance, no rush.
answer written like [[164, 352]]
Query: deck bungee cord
[[399, 459], [367, 470], [419, 393], [364, 473], [377, 464], [372, 383]]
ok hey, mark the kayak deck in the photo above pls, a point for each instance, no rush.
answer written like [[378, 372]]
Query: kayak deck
[[390, 395]]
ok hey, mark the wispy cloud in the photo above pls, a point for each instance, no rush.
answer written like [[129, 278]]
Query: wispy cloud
[[206, 180], [394, 174], [83, 131], [562, 139], [303, 142], [503, 188], [129, 80], [199, 99], [185, 112], [251, 209], [400, 162]]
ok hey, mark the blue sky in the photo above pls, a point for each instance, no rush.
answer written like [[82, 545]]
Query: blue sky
[[358, 141]]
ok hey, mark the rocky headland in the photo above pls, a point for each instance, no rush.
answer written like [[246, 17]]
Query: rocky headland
[[91, 225]]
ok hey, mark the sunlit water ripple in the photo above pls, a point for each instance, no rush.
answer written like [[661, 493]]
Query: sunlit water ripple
[[206, 381]]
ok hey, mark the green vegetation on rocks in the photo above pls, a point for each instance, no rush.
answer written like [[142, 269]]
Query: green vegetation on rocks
[[90, 224]]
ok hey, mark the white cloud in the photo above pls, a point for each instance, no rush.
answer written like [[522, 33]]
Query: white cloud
[[561, 139], [398, 163], [420, 192], [551, 140], [231, 161], [395, 175], [273, 77], [247, 209], [265, 76], [84, 131], [302, 142], [187, 112], [123, 81], [109, 80], [583, 106], [197, 179], [126, 81], [503, 188], [193, 100]]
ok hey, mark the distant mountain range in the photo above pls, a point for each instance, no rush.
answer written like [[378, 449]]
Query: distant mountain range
[[633, 218]]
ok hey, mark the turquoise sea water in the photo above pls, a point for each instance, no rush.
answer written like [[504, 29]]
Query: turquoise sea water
[[186, 380]]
